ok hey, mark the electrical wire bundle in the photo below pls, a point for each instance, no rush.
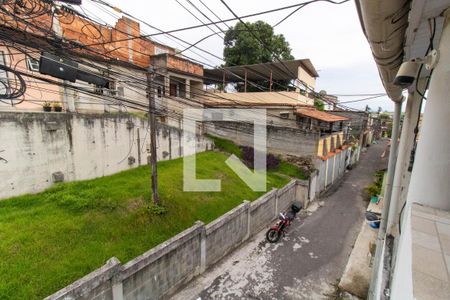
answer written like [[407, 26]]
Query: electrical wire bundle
[[72, 45], [11, 89]]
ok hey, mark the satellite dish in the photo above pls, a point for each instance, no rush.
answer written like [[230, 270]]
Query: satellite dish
[[323, 93]]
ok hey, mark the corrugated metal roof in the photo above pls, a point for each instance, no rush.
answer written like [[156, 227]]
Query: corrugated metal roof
[[256, 99], [319, 115], [280, 71]]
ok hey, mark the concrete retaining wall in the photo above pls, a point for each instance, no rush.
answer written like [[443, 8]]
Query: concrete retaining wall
[[161, 270], [34, 146], [280, 140]]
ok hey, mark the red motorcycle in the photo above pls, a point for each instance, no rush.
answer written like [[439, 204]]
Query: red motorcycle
[[274, 234]]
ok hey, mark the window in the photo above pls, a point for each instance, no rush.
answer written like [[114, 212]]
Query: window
[[173, 90], [112, 88], [98, 89], [109, 89], [159, 91], [4, 82], [120, 91], [284, 115], [32, 64]]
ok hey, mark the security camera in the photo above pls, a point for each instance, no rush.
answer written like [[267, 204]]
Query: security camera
[[407, 72]]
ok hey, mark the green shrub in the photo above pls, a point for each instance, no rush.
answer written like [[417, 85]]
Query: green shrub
[[157, 209], [373, 190]]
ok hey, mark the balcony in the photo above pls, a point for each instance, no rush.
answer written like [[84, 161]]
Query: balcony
[[430, 233]]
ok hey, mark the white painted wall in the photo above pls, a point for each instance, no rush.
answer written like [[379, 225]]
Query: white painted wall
[[402, 282], [430, 176], [81, 146]]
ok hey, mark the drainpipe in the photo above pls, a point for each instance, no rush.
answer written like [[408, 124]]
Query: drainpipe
[[378, 262], [412, 112]]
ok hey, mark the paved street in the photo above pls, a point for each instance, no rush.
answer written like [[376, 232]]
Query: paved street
[[308, 262]]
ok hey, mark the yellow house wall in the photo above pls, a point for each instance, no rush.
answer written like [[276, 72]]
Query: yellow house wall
[[328, 142]]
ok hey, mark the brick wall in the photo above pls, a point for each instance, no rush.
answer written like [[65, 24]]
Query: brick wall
[[120, 42], [137, 51], [184, 65]]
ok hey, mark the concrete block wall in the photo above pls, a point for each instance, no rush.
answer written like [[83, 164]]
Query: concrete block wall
[[342, 163], [95, 285], [263, 210], [34, 145], [165, 267], [226, 233], [302, 193], [322, 167], [336, 162], [160, 271], [313, 185], [329, 171], [280, 140], [285, 195]]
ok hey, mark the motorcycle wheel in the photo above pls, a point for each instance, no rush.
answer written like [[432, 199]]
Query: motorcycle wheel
[[273, 235]]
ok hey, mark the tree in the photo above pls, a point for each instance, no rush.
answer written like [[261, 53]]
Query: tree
[[319, 105], [255, 43]]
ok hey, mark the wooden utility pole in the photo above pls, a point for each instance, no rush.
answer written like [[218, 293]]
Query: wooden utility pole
[[270, 81], [245, 81], [152, 124]]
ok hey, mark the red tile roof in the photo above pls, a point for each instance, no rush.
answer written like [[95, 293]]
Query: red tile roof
[[319, 115]]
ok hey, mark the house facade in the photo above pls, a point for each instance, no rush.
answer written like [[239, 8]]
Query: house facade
[[116, 58]]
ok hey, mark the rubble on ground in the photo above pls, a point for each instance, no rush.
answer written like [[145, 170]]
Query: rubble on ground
[[304, 163]]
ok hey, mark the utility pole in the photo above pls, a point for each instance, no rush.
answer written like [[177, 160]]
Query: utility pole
[[152, 124]]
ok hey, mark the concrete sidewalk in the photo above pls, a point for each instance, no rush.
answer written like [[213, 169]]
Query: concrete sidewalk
[[309, 261]]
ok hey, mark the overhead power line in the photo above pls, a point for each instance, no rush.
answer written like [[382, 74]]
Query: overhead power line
[[363, 99], [202, 25], [224, 69], [263, 44], [300, 7], [204, 63], [358, 94]]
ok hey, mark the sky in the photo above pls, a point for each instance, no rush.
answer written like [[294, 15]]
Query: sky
[[330, 35]]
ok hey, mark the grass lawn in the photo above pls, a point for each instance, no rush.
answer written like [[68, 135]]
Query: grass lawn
[[50, 239]]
